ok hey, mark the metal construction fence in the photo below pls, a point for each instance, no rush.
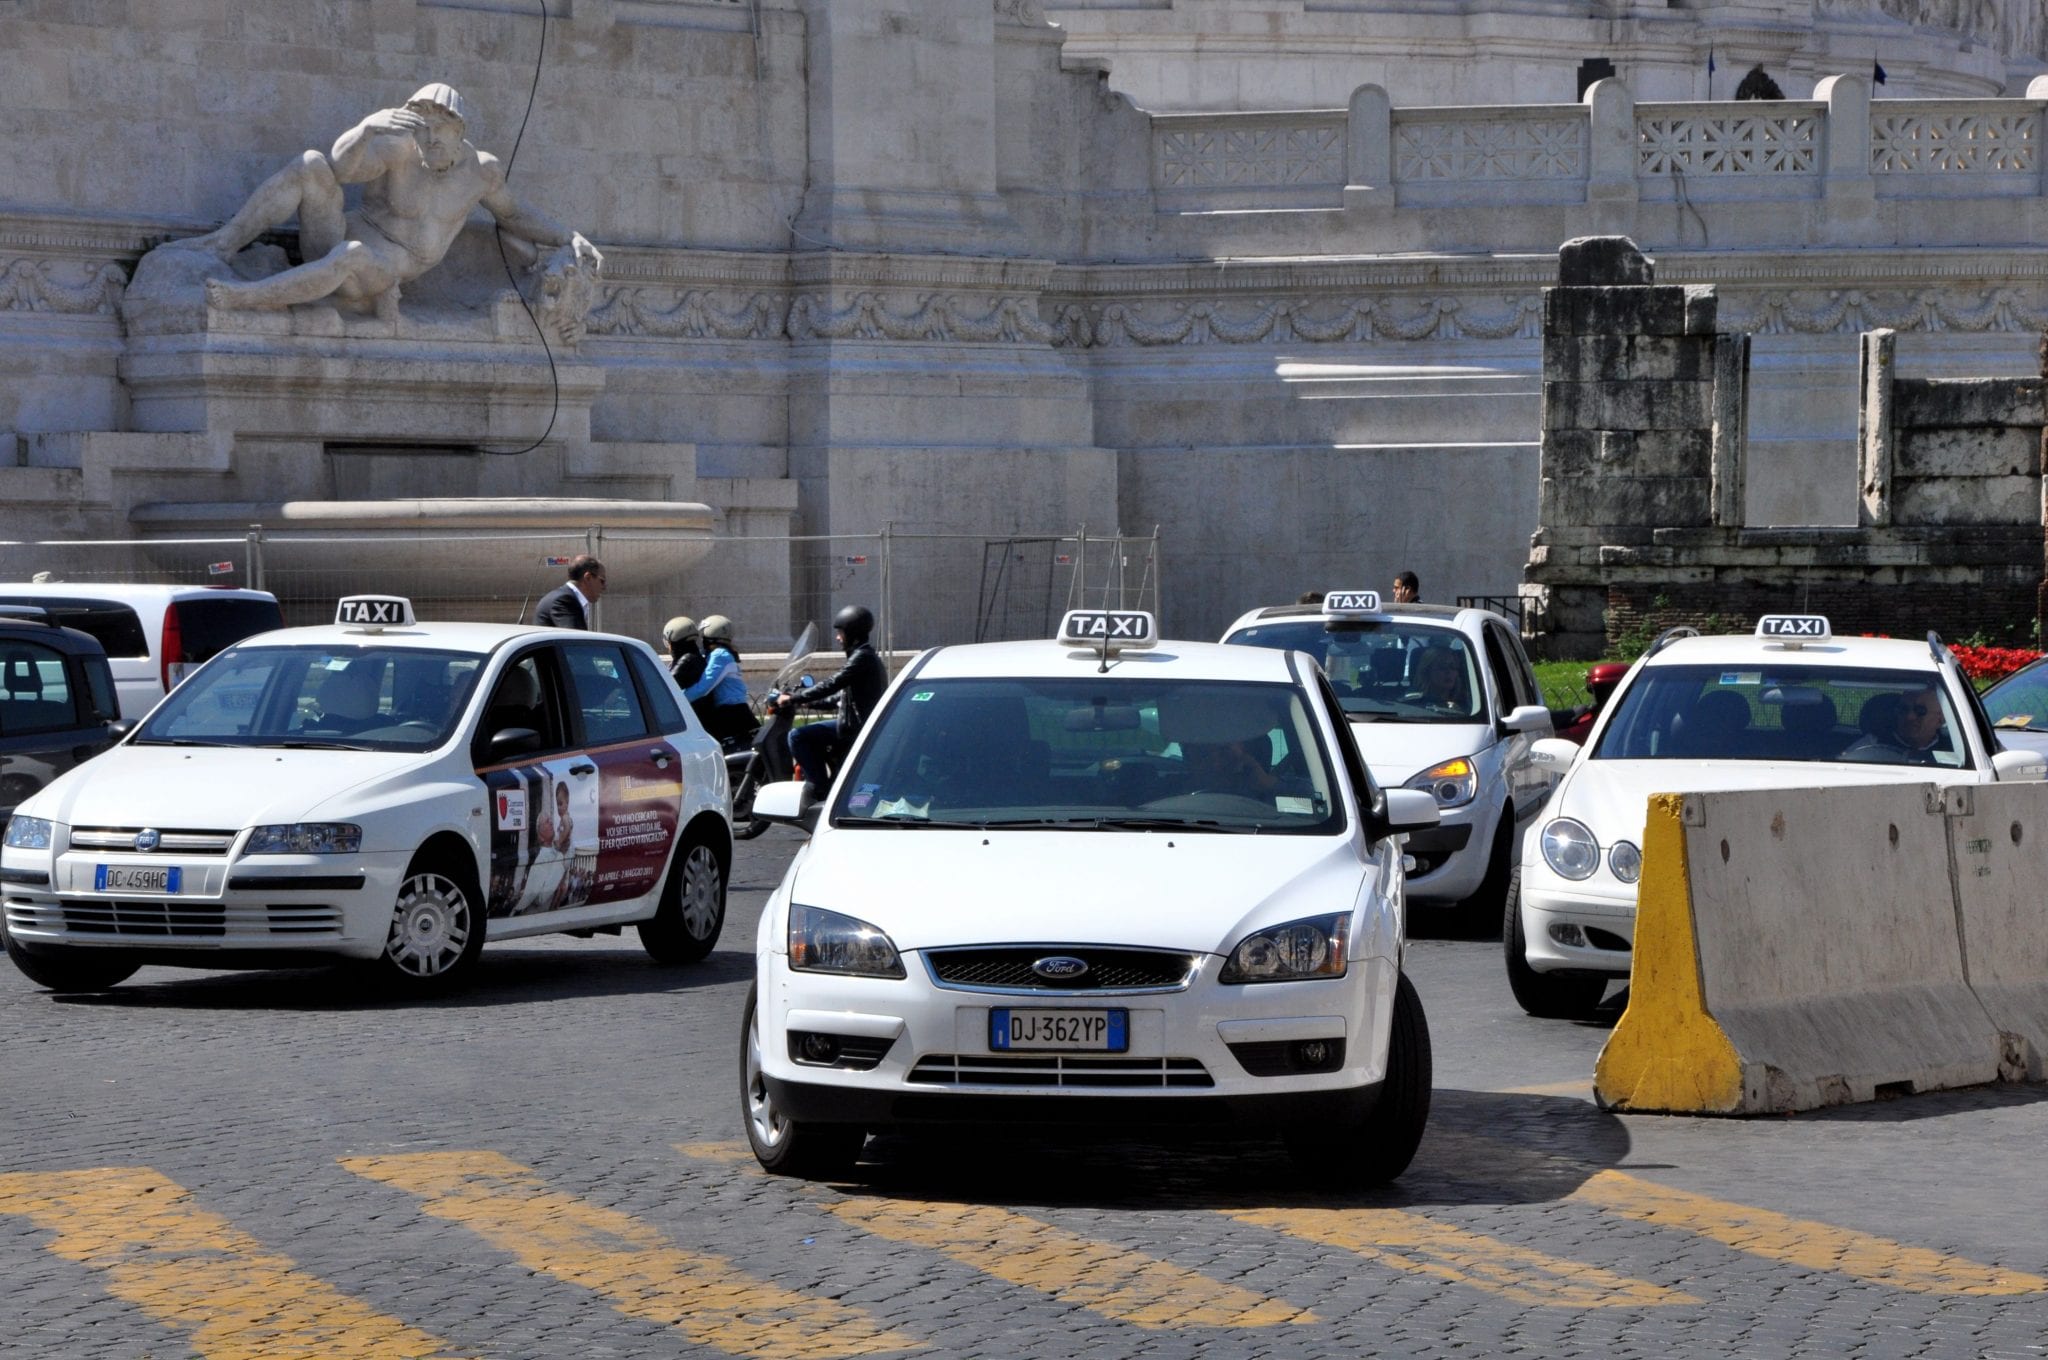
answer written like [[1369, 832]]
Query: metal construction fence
[[924, 588]]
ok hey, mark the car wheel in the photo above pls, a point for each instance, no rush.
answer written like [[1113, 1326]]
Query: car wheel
[[1375, 1141], [692, 912], [785, 1146], [64, 969], [1479, 914], [1543, 995], [437, 929], [745, 825]]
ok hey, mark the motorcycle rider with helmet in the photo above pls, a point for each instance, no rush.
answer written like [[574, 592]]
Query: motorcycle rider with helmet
[[719, 695], [857, 686], [686, 657]]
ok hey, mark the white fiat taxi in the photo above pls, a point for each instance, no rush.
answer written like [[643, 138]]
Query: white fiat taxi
[[1102, 879], [382, 790], [1789, 706], [1443, 700]]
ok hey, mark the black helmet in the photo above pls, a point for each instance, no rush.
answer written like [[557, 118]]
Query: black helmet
[[855, 623]]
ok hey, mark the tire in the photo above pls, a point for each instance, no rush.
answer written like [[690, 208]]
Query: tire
[[1478, 915], [783, 1146], [1540, 994], [746, 826], [685, 926], [437, 929], [1376, 1141], [65, 969]]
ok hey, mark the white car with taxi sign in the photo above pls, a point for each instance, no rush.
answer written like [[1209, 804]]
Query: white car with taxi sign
[[1788, 706], [1099, 878], [1440, 699], [381, 790]]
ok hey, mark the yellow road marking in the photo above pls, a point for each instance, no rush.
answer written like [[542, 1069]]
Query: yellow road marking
[[1113, 1281], [634, 1266], [195, 1271], [1423, 1246], [1800, 1242], [734, 1152]]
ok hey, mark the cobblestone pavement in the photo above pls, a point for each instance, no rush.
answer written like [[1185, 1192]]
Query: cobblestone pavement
[[551, 1165]]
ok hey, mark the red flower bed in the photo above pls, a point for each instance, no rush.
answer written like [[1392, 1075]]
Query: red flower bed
[[1992, 663]]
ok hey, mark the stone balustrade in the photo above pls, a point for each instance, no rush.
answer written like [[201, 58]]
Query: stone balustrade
[[1840, 144]]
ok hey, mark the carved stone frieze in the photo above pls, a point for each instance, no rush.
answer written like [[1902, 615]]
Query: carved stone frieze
[[1851, 311], [1290, 320], [869, 314], [75, 287]]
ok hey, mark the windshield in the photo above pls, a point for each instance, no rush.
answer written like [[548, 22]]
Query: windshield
[[1108, 753], [367, 698], [2020, 701], [1781, 712], [1398, 670]]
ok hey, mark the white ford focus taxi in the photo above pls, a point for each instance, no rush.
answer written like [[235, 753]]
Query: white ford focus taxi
[[1790, 706], [1103, 879], [1440, 699], [380, 790]]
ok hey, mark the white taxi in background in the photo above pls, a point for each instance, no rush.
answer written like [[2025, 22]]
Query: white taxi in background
[[381, 790], [1443, 700], [1789, 706], [1099, 879]]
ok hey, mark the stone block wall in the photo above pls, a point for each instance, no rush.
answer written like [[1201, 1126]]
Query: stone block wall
[[1643, 450]]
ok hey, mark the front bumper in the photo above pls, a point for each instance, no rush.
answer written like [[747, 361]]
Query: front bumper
[[229, 911], [911, 1051], [1451, 857], [1569, 929]]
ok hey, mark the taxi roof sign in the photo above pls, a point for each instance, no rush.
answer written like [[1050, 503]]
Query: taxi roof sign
[[1794, 631], [1111, 630], [374, 612], [1346, 604]]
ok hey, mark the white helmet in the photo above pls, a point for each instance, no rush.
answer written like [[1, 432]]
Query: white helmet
[[718, 628]]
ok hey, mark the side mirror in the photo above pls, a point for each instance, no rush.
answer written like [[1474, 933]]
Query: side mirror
[[1410, 810], [509, 742], [2015, 766], [804, 682], [1530, 718], [784, 804], [120, 728], [1554, 754]]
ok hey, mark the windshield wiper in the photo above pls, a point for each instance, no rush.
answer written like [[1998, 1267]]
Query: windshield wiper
[[1167, 824], [179, 741], [308, 745], [914, 823]]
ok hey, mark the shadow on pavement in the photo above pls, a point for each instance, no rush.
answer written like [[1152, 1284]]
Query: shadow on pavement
[[504, 976]]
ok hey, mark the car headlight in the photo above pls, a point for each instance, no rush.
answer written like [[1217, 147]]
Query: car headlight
[[305, 838], [1314, 948], [1626, 861], [1454, 783], [1569, 848], [30, 833], [826, 942]]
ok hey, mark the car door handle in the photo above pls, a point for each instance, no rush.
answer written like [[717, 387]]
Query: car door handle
[[582, 769]]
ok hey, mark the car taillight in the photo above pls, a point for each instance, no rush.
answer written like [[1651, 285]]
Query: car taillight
[[172, 660]]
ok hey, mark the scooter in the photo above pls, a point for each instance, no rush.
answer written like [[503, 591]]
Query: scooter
[[764, 758]]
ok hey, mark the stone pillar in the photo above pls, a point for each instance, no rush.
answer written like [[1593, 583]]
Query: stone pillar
[[1874, 436], [1848, 137], [1369, 150], [1629, 418], [1611, 146], [1731, 428]]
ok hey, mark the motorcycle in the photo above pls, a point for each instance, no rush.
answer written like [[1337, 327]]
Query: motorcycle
[[764, 758]]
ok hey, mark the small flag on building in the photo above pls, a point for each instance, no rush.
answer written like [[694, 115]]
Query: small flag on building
[[1710, 63], [1877, 73], [220, 568]]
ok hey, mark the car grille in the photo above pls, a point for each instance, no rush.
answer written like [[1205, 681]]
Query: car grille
[[170, 841], [174, 919], [1056, 1069], [1007, 968]]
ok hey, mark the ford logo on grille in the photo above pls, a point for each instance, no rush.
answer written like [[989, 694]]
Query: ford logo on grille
[[147, 838], [1060, 967]]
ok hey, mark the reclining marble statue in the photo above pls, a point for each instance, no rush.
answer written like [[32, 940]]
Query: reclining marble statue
[[421, 179]]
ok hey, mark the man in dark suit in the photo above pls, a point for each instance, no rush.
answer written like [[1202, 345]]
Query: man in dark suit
[[568, 605]]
